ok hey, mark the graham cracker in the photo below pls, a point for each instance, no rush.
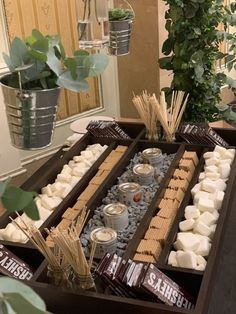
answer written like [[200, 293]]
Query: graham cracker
[[71, 214], [64, 224], [97, 180], [88, 192], [191, 155], [121, 148], [144, 258], [79, 205], [156, 222]]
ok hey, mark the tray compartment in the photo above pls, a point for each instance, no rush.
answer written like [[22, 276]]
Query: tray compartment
[[46, 174]]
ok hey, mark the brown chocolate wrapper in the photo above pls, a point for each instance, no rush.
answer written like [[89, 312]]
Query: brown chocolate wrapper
[[12, 266], [166, 290]]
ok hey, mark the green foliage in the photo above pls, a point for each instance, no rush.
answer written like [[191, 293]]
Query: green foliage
[[119, 14], [15, 199], [40, 62], [16, 298], [192, 49]]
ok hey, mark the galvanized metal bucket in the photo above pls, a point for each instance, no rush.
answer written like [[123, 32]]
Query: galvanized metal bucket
[[31, 115], [119, 37]]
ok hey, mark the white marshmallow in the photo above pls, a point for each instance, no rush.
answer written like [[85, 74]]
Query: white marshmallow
[[215, 214], [224, 170], [9, 230], [50, 203], [204, 247], [211, 161], [229, 154], [2, 233], [211, 155], [212, 175], [47, 190], [220, 184], [213, 169], [43, 213], [87, 154], [208, 185], [66, 169], [186, 225], [191, 211], [63, 177], [77, 159], [19, 236], [225, 161], [65, 190], [201, 263], [219, 149], [80, 170], [172, 259], [205, 204], [201, 176], [72, 164], [195, 189], [231, 151], [200, 194], [213, 229], [208, 218], [186, 241], [74, 180], [202, 229], [219, 199], [186, 259]]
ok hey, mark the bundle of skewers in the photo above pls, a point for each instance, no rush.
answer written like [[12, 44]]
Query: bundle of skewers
[[66, 259], [152, 110]]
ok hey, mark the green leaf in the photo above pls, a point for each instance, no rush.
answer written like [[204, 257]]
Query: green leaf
[[7, 309], [8, 62], [41, 45], [21, 305], [196, 58], [3, 186], [199, 71], [166, 63], [167, 46], [191, 10], [31, 210], [79, 53], [95, 64], [18, 52], [15, 198], [23, 67], [71, 64], [65, 80], [37, 34], [38, 55], [9, 285], [53, 62]]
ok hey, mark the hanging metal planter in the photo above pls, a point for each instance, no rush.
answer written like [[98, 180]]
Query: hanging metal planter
[[120, 27], [31, 115], [101, 25]]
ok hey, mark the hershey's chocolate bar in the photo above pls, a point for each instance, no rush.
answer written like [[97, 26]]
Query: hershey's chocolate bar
[[166, 290], [12, 266]]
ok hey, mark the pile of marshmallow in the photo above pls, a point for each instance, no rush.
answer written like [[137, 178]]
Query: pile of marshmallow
[[193, 243], [53, 194]]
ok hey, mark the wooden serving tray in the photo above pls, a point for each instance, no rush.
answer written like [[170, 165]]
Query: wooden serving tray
[[196, 282]]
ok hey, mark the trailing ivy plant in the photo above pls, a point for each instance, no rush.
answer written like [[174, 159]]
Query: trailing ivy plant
[[192, 51]]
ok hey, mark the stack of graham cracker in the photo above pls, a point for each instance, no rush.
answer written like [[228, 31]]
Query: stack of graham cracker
[[151, 246]]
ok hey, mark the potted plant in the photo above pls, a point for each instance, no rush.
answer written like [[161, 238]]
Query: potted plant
[[192, 51], [39, 68], [120, 24]]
